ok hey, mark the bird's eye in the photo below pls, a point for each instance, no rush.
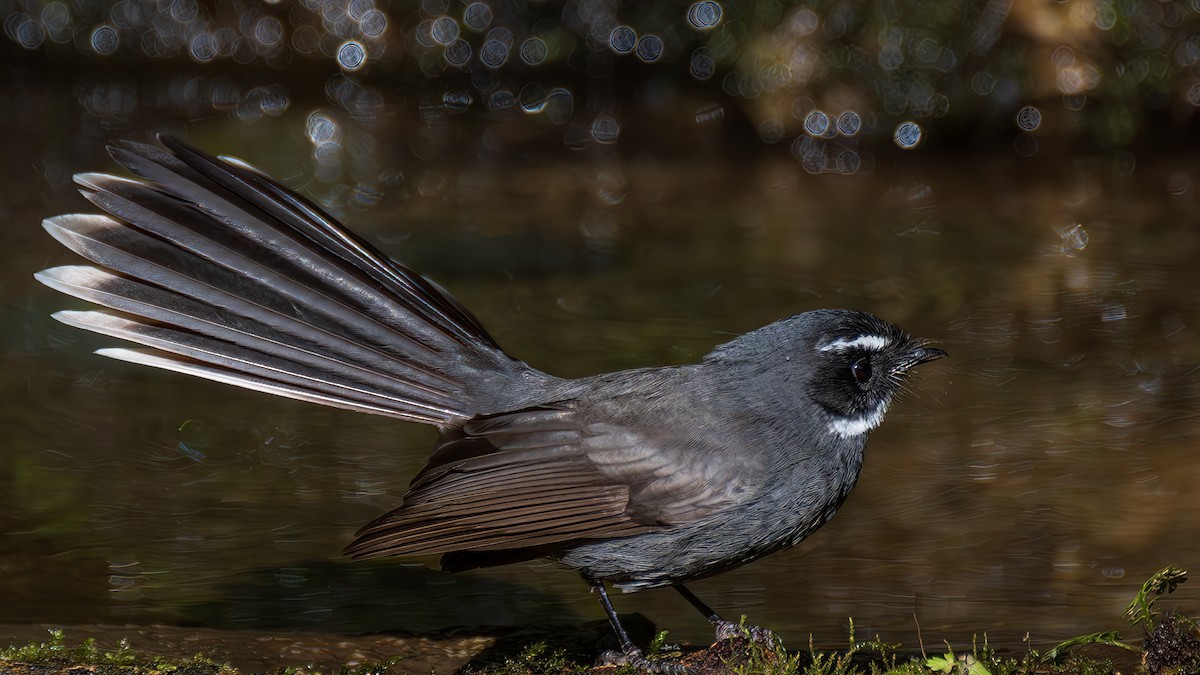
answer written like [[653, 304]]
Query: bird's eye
[[861, 370]]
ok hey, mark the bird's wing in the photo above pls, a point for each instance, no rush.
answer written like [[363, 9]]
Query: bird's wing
[[540, 478]]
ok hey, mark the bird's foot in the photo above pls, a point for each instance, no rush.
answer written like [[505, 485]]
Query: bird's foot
[[764, 637], [632, 656]]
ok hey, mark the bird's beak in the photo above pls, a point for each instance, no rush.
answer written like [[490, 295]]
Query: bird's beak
[[924, 354]]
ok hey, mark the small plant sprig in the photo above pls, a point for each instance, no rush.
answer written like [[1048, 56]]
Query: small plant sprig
[[949, 663], [1111, 638], [1141, 610]]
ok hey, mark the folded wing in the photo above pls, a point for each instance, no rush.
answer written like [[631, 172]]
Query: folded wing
[[535, 480]]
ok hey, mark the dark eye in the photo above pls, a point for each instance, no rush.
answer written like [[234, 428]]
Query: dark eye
[[861, 370]]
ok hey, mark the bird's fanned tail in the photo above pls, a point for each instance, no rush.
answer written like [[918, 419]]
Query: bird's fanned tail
[[225, 274]]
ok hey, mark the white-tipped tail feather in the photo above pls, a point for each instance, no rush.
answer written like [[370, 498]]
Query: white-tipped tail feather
[[229, 276]]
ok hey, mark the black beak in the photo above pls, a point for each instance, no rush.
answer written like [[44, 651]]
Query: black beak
[[924, 354]]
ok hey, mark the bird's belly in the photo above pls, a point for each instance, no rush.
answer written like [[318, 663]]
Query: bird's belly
[[696, 550], [797, 501]]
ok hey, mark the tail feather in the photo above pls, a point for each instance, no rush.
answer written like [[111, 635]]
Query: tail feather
[[260, 253], [213, 355], [208, 182], [149, 357], [193, 329], [219, 276], [231, 277]]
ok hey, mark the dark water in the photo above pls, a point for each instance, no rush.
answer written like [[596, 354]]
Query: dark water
[[1029, 484]]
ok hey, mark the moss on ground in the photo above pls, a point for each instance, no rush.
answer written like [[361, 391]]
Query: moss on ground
[[1171, 646], [54, 656]]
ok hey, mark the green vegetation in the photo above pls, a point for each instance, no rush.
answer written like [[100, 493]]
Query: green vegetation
[[1171, 646], [536, 661], [1141, 610], [119, 661]]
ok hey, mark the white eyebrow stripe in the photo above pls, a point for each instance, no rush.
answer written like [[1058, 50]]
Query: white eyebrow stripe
[[873, 343]]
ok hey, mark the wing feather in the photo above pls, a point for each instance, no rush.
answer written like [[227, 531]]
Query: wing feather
[[535, 480]]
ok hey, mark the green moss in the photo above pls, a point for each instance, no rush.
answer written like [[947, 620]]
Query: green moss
[[120, 661], [537, 659], [1171, 646]]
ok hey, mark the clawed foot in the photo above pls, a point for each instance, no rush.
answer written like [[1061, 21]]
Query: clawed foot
[[760, 636], [634, 657]]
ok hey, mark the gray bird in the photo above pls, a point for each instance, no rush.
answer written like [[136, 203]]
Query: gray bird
[[641, 478]]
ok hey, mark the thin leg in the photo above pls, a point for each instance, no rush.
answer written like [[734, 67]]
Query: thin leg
[[727, 629], [630, 654], [626, 644], [707, 611]]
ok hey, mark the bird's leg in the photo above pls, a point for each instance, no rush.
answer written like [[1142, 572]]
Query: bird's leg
[[629, 654], [627, 645], [728, 629]]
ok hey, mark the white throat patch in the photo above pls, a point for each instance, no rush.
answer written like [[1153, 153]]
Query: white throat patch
[[853, 427], [873, 343]]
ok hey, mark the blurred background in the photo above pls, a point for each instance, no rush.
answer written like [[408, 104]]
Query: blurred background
[[619, 184]]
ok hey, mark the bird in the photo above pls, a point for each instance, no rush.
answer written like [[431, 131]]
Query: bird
[[637, 479]]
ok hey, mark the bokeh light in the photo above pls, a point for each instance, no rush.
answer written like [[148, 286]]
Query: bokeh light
[[501, 99], [268, 30], [351, 55], [709, 113], [24, 30], [458, 100], [444, 30], [908, 135], [1121, 65], [982, 83], [702, 66], [559, 105], [105, 39], [1193, 94], [532, 98], [704, 15], [533, 51], [323, 128], [493, 53], [477, 16], [623, 39], [373, 23], [606, 129], [56, 18], [649, 48], [816, 123], [458, 53], [849, 123], [1029, 118]]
